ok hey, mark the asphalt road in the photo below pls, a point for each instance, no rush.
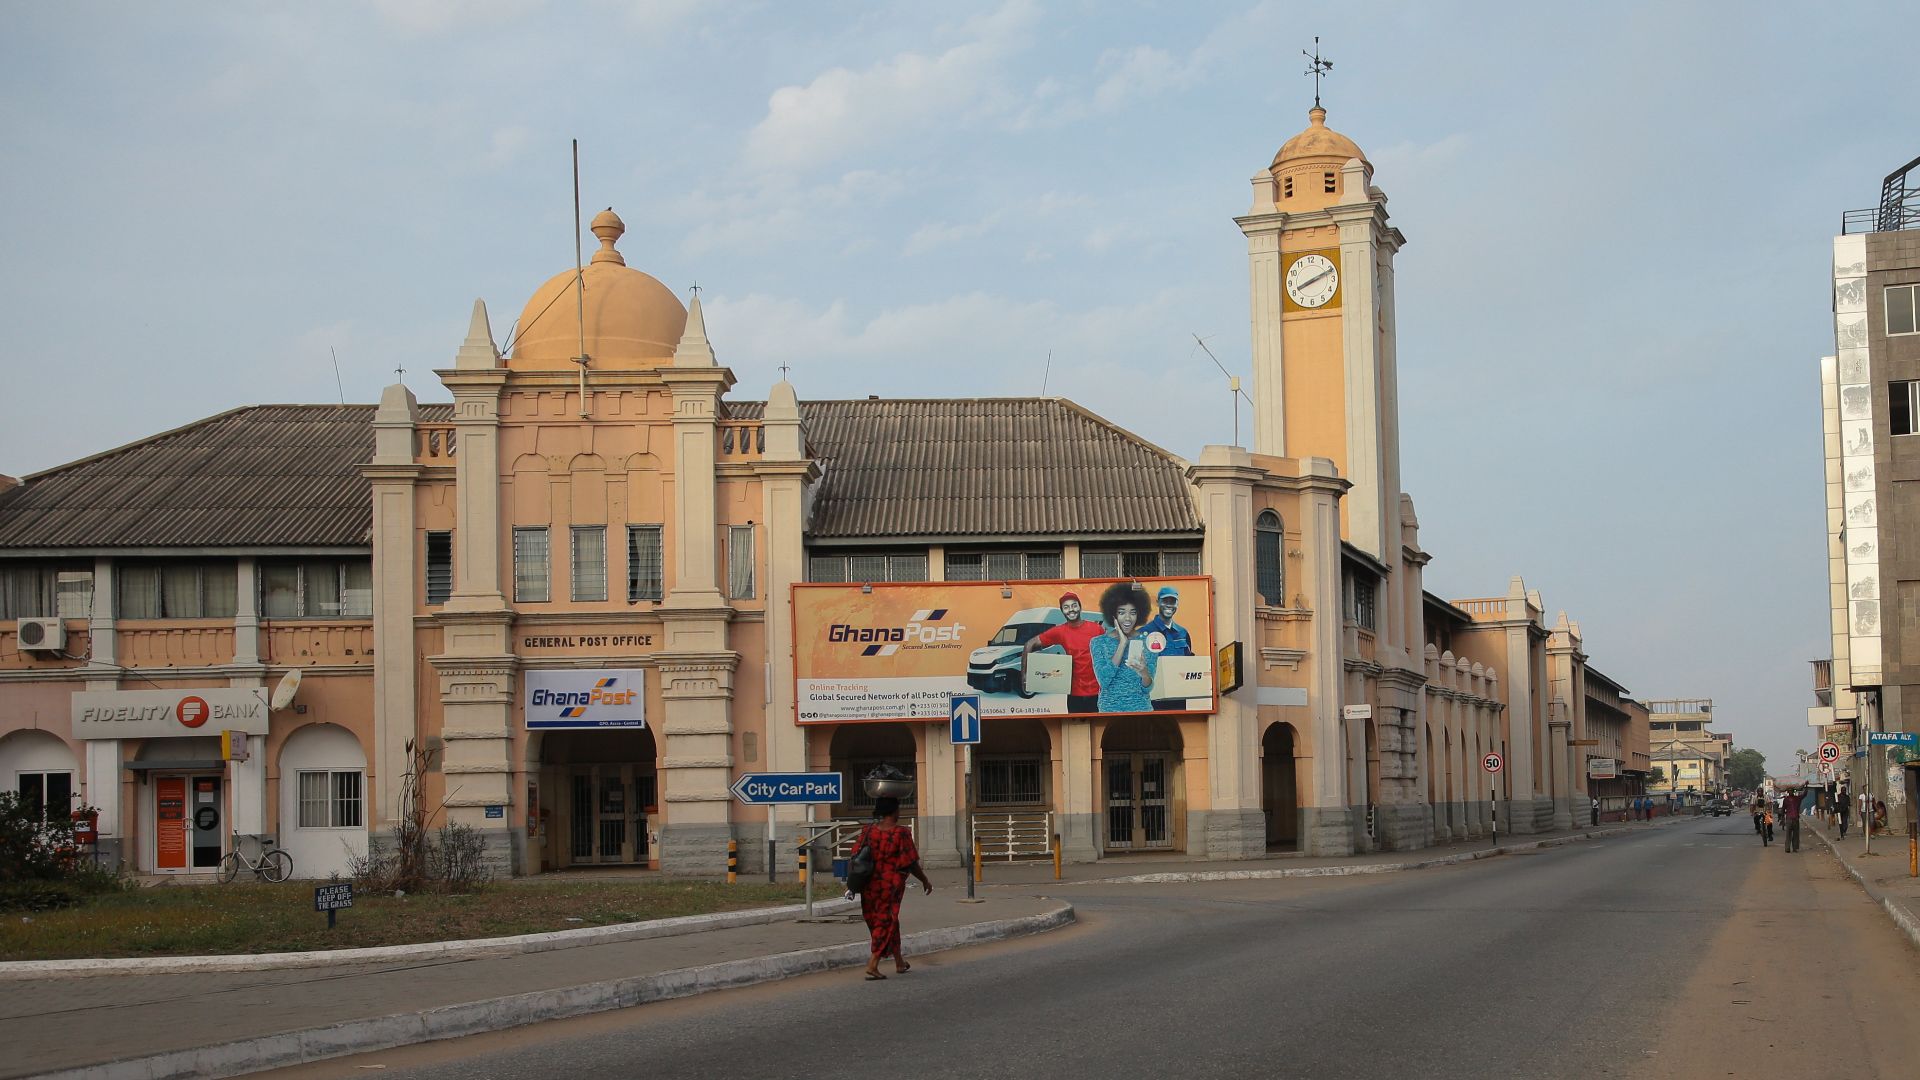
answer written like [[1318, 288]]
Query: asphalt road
[[1688, 951]]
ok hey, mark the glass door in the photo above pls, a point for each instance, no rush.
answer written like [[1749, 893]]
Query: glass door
[[607, 820], [1139, 802]]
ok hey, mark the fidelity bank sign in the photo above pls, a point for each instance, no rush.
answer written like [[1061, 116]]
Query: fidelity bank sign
[[164, 714]]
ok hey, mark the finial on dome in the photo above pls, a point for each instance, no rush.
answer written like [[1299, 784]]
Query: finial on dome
[[608, 227], [1316, 116]]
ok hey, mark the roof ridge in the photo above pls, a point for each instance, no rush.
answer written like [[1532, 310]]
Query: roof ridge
[[145, 440]]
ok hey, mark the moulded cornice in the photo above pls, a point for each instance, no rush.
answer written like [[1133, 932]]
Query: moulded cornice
[[1291, 659], [699, 796], [691, 380], [474, 735], [1362, 665], [720, 761], [694, 663], [556, 618], [1404, 678], [377, 473], [701, 613], [472, 380], [806, 470]]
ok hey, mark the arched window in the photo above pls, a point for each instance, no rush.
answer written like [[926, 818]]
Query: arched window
[[1271, 579]]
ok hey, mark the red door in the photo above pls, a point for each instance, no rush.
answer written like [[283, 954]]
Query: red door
[[170, 823]]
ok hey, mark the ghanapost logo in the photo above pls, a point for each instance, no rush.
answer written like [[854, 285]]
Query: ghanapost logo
[[923, 629], [576, 702]]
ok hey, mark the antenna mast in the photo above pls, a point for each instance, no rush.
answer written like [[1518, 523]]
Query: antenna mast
[[579, 280], [336, 375], [1046, 373]]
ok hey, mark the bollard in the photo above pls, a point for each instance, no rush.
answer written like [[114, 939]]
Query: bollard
[[976, 860], [733, 861], [803, 862], [1056, 856]]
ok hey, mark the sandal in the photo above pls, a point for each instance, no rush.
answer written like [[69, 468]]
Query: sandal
[[902, 968], [874, 976]]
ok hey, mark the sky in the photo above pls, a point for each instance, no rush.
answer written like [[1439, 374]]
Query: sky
[[1611, 304]]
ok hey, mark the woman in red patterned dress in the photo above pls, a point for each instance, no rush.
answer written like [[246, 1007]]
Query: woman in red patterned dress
[[894, 857]]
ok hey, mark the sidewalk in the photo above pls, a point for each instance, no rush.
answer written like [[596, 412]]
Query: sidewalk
[[1884, 874], [186, 1018]]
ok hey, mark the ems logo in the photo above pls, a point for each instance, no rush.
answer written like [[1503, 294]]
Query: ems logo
[[192, 711], [581, 710]]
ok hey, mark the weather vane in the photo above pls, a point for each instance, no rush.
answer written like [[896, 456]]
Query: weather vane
[[1316, 67], [784, 369], [401, 372]]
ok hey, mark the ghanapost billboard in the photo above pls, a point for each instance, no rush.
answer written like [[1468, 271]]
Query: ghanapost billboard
[[1050, 648]]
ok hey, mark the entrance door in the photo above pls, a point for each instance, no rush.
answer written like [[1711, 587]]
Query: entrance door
[[1139, 802], [208, 812], [608, 819], [171, 824]]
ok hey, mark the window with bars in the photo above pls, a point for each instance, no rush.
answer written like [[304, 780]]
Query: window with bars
[[330, 799], [1269, 544], [1009, 781], [1003, 565], [1362, 603], [439, 567], [47, 591], [178, 590], [646, 562], [589, 563], [868, 566], [1140, 563], [740, 562], [317, 589], [530, 564]]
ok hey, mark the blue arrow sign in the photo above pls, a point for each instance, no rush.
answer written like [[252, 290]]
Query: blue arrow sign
[[963, 718], [769, 788], [1893, 738]]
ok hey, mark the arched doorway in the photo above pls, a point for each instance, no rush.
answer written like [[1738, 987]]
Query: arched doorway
[[323, 800], [1279, 787], [597, 791], [858, 749], [40, 768], [1140, 772]]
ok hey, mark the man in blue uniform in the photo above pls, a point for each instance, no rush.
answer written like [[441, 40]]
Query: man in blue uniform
[[1167, 638]]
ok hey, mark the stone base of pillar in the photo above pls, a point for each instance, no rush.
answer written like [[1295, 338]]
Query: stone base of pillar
[[1543, 813], [1079, 837], [1231, 834], [1401, 826], [938, 838], [1442, 830], [1563, 815], [1463, 827], [700, 850], [1326, 830]]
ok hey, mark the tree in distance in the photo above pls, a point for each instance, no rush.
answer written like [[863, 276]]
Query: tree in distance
[[1747, 769]]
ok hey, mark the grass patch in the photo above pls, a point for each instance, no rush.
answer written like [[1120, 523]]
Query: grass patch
[[193, 920]]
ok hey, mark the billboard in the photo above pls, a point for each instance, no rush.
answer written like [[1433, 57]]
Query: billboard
[[162, 714], [586, 698], [1028, 648]]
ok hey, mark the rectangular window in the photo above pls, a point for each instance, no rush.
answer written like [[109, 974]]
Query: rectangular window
[[317, 589], [1903, 309], [46, 794], [1903, 408], [330, 800], [439, 567], [1009, 781], [646, 563], [1003, 565], [589, 563], [170, 590], [740, 562], [1364, 611], [45, 592], [530, 564], [865, 567], [1139, 563]]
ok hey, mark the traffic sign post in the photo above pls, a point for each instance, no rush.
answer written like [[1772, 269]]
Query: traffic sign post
[[784, 789], [1829, 753], [1493, 763], [965, 729]]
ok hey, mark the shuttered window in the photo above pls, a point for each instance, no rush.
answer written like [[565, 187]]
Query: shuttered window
[[530, 565], [1269, 572], [439, 567], [589, 563], [740, 562], [646, 563]]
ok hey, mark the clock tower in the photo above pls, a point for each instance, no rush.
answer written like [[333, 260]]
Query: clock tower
[[1320, 254]]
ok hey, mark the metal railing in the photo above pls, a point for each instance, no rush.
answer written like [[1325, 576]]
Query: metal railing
[[1899, 205], [1017, 834]]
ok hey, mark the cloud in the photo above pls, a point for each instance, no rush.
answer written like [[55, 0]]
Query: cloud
[[749, 219], [939, 234], [428, 17], [1141, 72], [506, 146], [843, 110]]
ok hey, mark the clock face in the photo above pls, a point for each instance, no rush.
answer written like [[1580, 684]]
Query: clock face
[[1312, 280]]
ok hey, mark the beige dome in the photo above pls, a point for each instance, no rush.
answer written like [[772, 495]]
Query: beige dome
[[1319, 142], [631, 319]]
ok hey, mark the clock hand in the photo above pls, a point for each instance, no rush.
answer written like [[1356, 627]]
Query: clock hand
[[1314, 278]]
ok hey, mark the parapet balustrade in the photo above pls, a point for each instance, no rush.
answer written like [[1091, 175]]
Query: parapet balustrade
[[434, 444], [307, 642]]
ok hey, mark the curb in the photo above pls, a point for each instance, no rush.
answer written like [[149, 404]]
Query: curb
[[473, 1018], [1900, 916], [1353, 869], [475, 949]]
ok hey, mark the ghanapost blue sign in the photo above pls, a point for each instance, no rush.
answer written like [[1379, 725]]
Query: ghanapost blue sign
[[770, 788], [1893, 738], [585, 698]]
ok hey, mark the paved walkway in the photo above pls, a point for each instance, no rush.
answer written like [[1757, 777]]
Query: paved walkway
[[1886, 873], [200, 1023]]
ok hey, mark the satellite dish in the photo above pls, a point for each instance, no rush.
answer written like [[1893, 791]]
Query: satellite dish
[[283, 693]]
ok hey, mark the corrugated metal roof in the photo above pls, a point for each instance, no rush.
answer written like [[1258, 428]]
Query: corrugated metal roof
[[260, 476], [286, 476], [994, 467]]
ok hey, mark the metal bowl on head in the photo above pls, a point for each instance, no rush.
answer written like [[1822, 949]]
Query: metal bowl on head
[[888, 789]]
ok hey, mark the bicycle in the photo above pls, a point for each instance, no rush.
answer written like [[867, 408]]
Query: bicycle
[[274, 865]]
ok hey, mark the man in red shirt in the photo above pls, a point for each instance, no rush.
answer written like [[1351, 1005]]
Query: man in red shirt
[[1076, 637]]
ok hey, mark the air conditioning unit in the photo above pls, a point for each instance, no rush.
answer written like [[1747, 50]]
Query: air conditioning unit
[[42, 635]]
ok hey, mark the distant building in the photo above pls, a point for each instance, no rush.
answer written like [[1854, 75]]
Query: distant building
[[1870, 404], [1690, 758]]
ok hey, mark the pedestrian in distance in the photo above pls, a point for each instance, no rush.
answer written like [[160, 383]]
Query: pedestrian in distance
[[1843, 807], [1759, 809], [1766, 823], [894, 858], [1790, 813], [1596, 810]]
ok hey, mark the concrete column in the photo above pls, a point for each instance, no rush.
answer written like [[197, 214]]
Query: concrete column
[[1326, 819], [1079, 802], [784, 470], [246, 612], [392, 474], [1263, 230], [1235, 823]]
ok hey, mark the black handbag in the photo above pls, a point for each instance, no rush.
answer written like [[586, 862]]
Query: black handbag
[[860, 867]]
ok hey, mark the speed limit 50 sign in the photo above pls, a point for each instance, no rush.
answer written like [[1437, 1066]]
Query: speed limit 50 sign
[[1829, 753], [1492, 763]]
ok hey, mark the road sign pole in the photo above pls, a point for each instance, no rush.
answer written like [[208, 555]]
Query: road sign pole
[[968, 794], [772, 848], [1493, 804]]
